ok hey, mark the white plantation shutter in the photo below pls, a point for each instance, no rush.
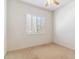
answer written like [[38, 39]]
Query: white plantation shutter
[[34, 24], [28, 23]]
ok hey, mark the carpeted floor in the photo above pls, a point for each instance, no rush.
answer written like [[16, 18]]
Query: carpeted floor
[[49, 51]]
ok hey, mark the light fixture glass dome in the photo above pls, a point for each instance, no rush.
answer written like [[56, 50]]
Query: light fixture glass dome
[[51, 2]]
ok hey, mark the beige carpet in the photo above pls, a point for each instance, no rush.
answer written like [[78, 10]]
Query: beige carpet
[[49, 51]]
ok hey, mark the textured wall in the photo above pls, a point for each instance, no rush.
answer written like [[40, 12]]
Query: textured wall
[[65, 25], [17, 35]]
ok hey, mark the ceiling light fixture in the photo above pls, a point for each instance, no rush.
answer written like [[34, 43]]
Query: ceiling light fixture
[[51, 2]]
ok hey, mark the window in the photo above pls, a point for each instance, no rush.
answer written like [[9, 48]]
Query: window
[[34, 24]]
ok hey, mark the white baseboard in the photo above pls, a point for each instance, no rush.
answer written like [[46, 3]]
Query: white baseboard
[[32, 45], [64, 45]]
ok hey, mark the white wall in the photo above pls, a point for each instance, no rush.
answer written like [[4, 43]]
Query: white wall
[[5, 38], [64, 26], [5, 29], [17, 36]]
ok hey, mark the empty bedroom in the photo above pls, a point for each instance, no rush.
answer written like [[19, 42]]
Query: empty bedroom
[[40, 29]]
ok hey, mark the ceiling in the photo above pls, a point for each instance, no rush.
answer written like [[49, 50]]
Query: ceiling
[[41, 3]]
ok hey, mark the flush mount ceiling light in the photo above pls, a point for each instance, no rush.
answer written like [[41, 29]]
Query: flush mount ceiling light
[[51, 2]]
